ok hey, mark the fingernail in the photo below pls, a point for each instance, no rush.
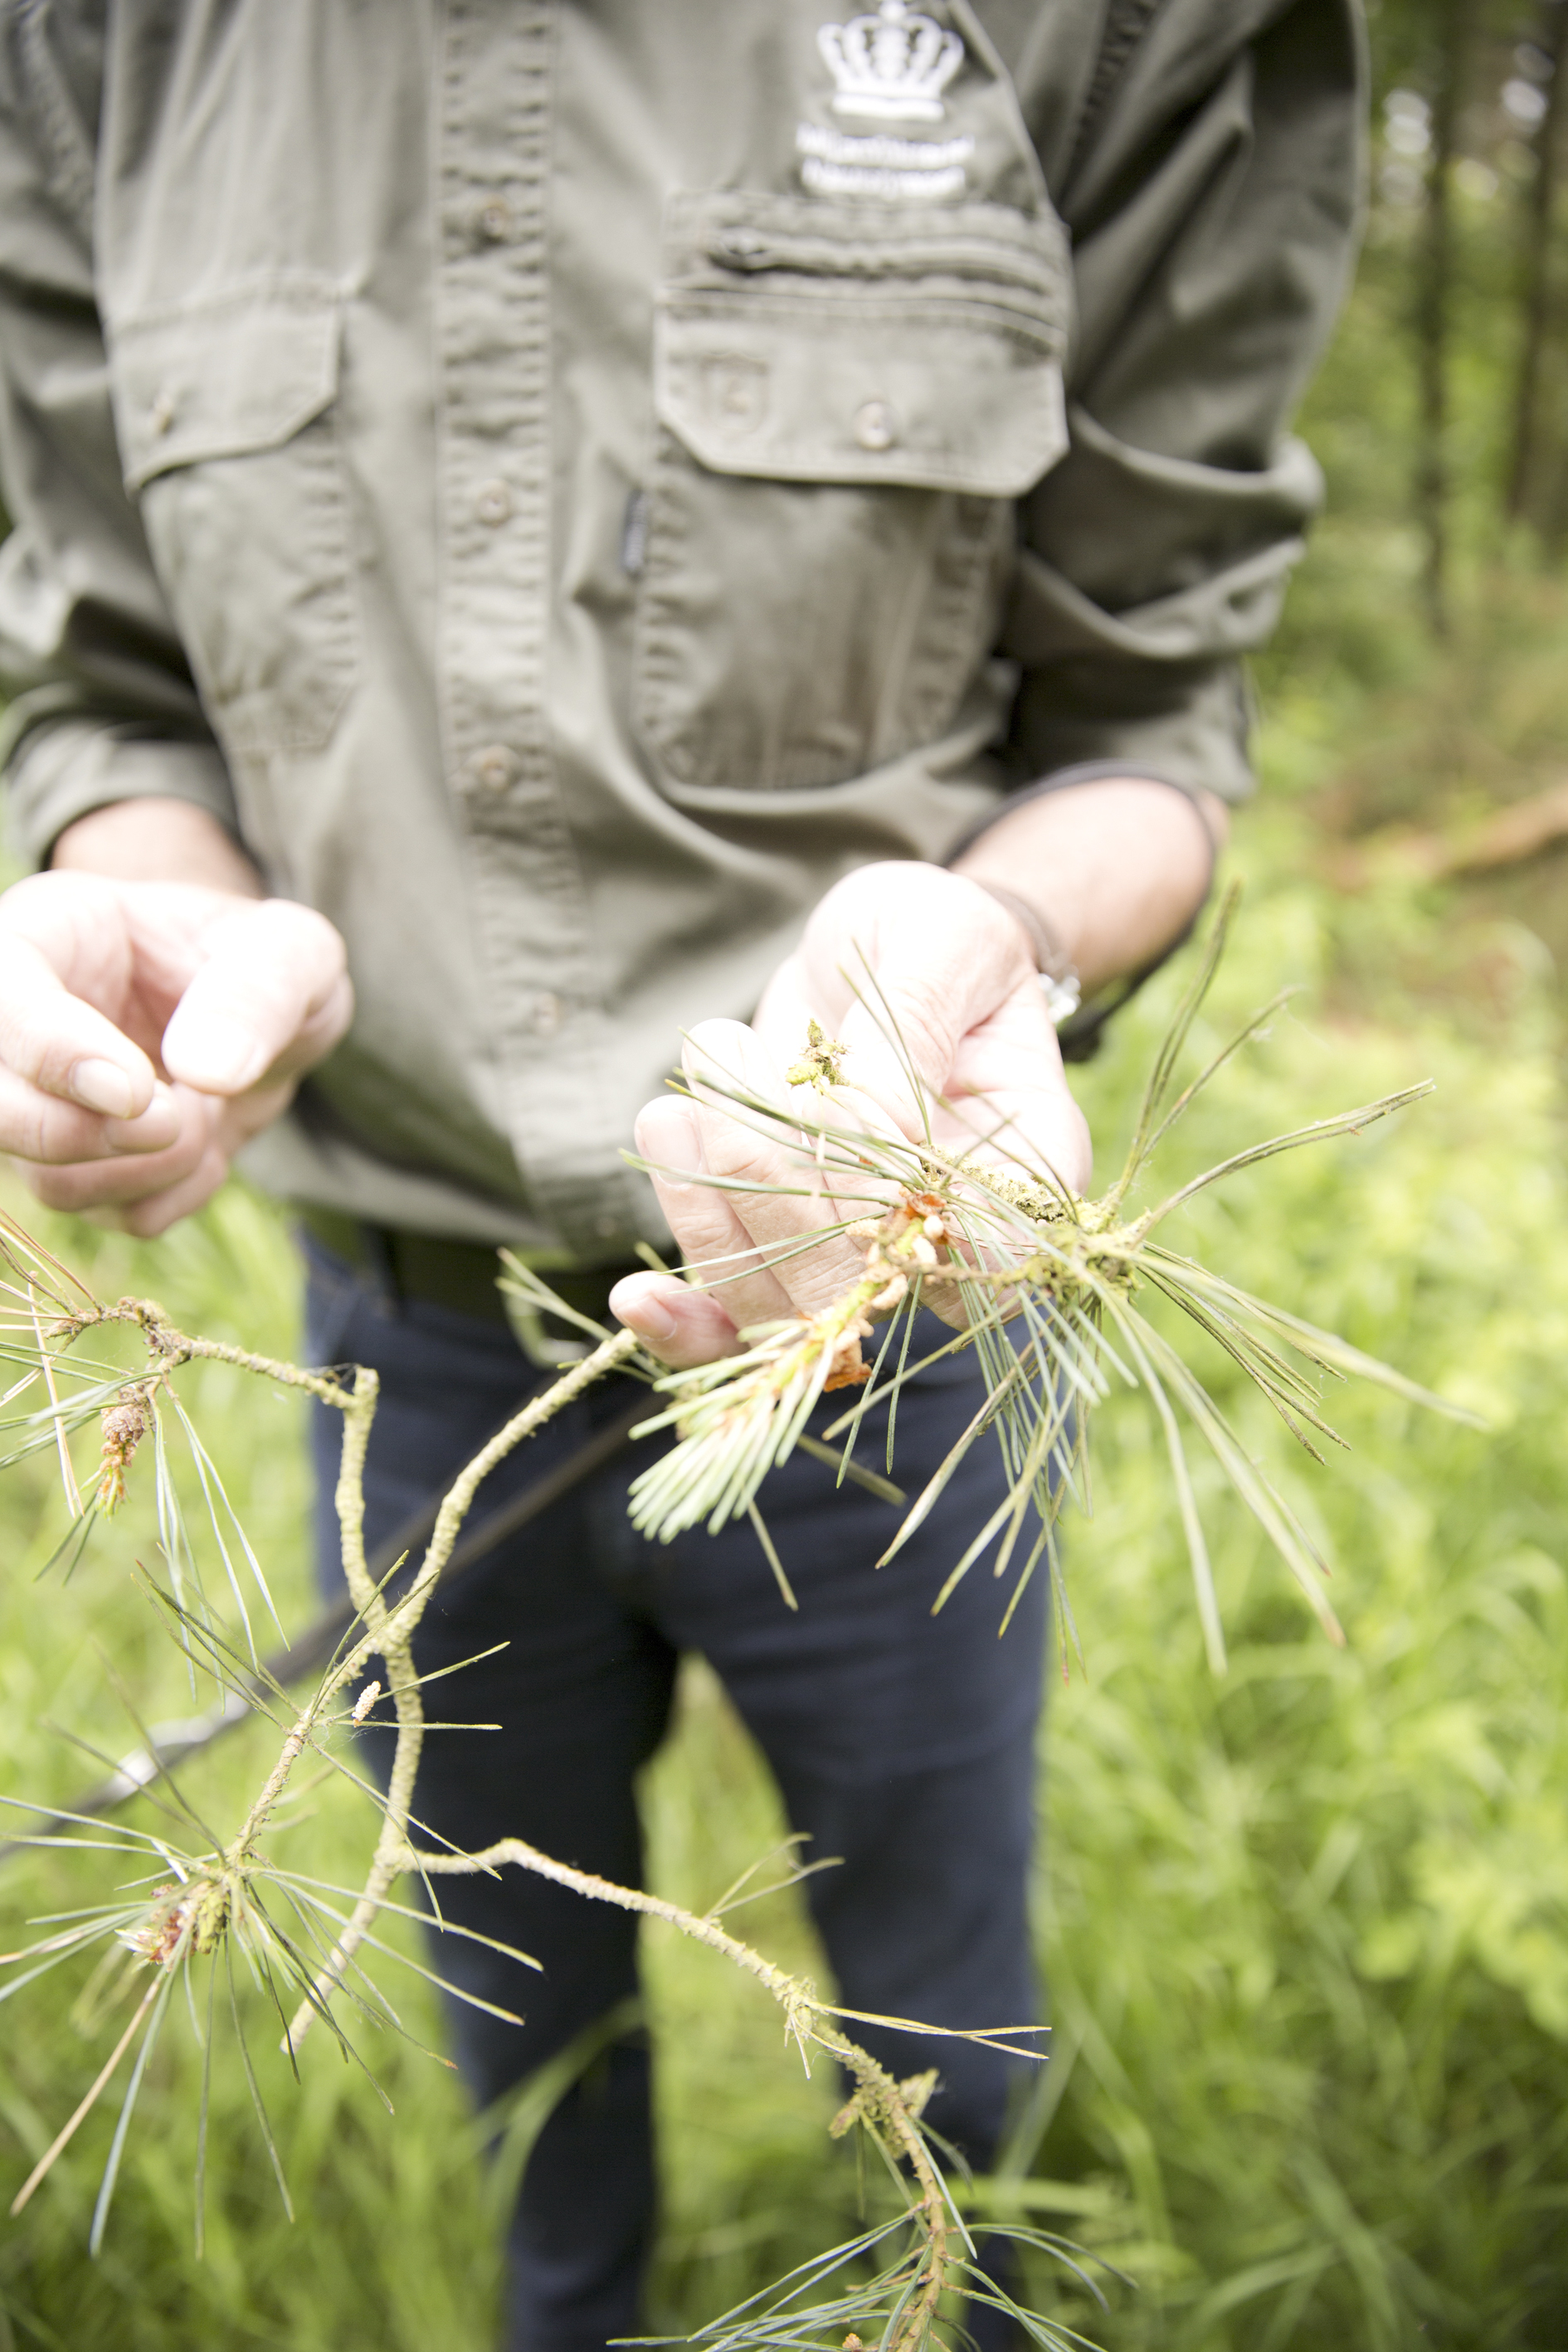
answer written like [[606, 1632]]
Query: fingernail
[[102, 1085], [646, 1313], [214, 1054], [150, 1130], [668, 1134]]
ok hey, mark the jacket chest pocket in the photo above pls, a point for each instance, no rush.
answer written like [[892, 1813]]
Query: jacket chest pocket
[[848, 401], [224, 415]]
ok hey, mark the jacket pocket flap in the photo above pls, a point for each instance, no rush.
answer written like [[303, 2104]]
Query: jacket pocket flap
[[219, 381], [800, 344]]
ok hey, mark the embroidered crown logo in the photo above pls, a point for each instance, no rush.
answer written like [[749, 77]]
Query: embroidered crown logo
[[894, 64]]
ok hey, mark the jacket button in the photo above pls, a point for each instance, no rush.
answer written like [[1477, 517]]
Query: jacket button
[[742, 244], [494, 219], [494, 504], [493, 768], [160, 415], [874, 425], [546, 1017]]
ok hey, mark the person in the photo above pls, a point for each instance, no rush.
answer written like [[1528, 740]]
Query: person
[[544, 526]]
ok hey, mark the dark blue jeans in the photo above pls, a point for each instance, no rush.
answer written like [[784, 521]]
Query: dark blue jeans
[[900, 1742]]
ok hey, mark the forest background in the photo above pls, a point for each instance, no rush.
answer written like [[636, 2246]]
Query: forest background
[[1306, 1929]]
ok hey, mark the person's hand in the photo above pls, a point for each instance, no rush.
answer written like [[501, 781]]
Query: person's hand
[[956, 975], [148, 1030]]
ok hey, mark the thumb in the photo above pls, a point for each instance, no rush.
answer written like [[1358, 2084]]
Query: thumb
[[271, 997]]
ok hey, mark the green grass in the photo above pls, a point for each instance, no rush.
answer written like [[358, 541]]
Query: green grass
[[1308, 1928], [70, 1652]]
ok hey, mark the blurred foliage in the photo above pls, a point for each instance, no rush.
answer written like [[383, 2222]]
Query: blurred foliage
[[1308, 1928]]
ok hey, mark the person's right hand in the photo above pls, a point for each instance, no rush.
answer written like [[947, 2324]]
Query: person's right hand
[[148, 1030]]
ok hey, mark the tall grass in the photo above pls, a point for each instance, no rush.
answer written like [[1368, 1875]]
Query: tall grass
[[1306, 1927], [72, 1654]]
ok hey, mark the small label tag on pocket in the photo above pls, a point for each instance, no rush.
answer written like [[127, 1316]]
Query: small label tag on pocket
[[633, 535]]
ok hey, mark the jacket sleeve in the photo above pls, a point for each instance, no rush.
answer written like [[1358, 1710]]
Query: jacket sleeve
[[103, 707], [1211, 182]]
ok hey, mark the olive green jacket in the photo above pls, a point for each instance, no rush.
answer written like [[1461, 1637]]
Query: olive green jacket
[[566, 480]]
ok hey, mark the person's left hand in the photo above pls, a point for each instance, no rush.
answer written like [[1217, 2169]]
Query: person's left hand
[[956, 976]]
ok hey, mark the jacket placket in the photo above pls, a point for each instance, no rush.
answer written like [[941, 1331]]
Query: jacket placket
[[494, 335]]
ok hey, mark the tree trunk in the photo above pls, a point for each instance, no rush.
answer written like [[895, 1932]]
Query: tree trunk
[[1523, 479], [1434, 281]]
